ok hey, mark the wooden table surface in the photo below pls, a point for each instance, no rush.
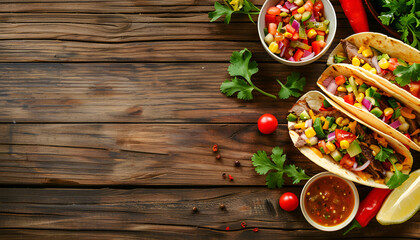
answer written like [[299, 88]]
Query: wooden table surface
[[109, 110]]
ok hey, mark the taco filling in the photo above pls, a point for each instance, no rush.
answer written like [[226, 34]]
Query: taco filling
[[379, 103], [328, 132], [380, 64]]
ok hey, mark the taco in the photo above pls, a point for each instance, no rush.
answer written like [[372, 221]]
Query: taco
[[363, 97], [339, 142], [378, 56]]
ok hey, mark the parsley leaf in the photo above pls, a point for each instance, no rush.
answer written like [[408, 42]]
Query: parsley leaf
[[397, 179], [234, 6], [294, 84], [242, 66], [405, 75], [274, 179], [384, 154]]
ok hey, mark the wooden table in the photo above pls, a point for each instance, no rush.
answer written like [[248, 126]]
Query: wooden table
[[109, 112]]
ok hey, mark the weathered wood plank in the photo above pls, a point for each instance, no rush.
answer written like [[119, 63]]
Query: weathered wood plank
[[159, 213], [136, 154], [136, 92]]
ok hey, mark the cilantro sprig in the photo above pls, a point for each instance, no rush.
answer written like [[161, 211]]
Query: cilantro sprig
[[234, 6], [294, 84], [397, 179], [276, 165], [384, 154], [242, 66], [404, 17], [407, 74]]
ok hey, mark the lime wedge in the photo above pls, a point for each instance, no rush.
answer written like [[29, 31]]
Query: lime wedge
[[402, 203]]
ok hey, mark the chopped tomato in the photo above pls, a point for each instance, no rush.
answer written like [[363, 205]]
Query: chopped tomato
[[290, 29], [415, 88], [340, 80], [308, 6], [286, 42], [294, 12], [305, 41], [272, 19], [393, 63], [387, 118], [298, 55], [344, 135], [347, 161], [317, 46], [295, 36], [349, 98], [318, 6], [321, 33], [272, 28], [384, 71], [273, 11], [288, 53], [310, 49], [323, 145]]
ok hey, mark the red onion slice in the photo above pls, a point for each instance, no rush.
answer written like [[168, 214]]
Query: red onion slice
[[327, 81], [296, 25], [332, 87], [331, 137], [292, 59], [312, 19], [361, 168], [367, 104], [283, 51], [395, 124], [308, 57], [375, 64], [290, 5], [308, 123], [304, 137]]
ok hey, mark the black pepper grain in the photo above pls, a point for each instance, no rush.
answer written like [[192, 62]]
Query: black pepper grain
[[237, 163]]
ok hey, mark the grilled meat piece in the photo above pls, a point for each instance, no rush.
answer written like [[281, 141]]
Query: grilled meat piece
[[388, 75], [352, 51], [375, 165], [367, 138], [300, 142], [299, 107]]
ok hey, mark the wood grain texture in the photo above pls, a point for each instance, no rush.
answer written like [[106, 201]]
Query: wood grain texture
[[137, 92], [159, 213]]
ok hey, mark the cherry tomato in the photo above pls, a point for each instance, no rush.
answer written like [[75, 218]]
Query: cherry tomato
[[267, 123], [288, 201], [344, 135]]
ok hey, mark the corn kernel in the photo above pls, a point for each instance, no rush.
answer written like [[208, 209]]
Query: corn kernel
[[375, 149], [360, 97], [388, 111], [361, 49], [301, 10], [373, 70], [330, 146], [311, 33], [355, 61], [269, 38], [310, 132], [278, 51], [288, 35], [345, 122], [274, 47], [383, 63], [367, 66], [362, 61], [401, 119], [358, 105], [342, 89], [300, 125], [339, 120], [344, 144], [367, 53]]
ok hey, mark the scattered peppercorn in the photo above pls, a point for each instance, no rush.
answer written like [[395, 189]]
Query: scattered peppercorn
[[255, 230], [222, 206], [195, 209], [218, 157], [237, 163], [224, 175], [230, 177], [243, 224], [215, 148], [227, 228]]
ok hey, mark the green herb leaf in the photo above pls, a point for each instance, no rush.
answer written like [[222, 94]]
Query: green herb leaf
[[397, 179], [339, 59], [384, 154], [407, 74], [241, 65], [263, 165], [293, 86], [396, 113], [237, 85], [220, 10]]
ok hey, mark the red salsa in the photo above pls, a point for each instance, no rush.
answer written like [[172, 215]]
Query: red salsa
[[329, 201]]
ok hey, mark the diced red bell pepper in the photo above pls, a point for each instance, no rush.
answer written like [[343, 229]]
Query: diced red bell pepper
[[415, 89], [305, 41], [317, 46], [290, 29], [318, 6], [320, 33], [349, 98], [294, 12], [384, 71], [295, 36], [298, 55], [272, 28], [273, 11], [308, 6], [310, 49], [272, 19], [286, 42], [347, 161], [393, 63], [340, 80]]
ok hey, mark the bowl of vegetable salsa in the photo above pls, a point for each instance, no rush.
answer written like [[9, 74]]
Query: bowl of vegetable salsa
[[329, 202], [296, 32]]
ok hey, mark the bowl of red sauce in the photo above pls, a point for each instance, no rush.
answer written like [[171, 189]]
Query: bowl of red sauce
[[329, 202]]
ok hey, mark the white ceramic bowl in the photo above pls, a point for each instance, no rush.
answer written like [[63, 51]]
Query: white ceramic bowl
[[317, 225], [329, 14]]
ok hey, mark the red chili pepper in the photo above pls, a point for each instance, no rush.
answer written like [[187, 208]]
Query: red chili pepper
[[243, 224], [227, 228], [255, 230], [230, 177], [369, 207], [215, 148], [356, 15]]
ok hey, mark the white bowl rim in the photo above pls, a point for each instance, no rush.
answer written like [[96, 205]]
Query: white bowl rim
[[335, 227], [300, 63]]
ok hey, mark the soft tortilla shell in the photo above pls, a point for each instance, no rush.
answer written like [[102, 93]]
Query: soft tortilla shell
[[347, 70], [314, 100], [393, 47]]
